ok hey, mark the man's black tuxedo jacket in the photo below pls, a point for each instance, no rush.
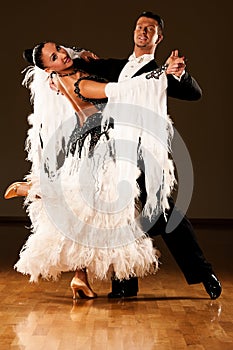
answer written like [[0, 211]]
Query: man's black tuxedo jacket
[[110, 69]]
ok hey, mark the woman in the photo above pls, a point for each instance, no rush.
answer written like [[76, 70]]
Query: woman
[[82, 217]]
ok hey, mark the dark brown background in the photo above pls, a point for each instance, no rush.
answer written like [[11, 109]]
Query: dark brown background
[[202, 30]]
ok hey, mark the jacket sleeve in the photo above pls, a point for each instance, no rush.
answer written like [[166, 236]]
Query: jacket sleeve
[[185, 89], [108, 69]]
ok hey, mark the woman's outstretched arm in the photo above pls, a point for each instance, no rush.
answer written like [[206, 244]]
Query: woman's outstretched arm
[[92, 89]]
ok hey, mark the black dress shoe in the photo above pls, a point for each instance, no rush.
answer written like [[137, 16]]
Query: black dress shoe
[[124, 288], [212, 286], [121, 294]]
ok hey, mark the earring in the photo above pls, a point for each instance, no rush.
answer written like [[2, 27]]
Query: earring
[[52, 74]]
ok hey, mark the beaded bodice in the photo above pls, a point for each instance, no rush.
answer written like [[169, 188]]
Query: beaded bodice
[[93, 127]]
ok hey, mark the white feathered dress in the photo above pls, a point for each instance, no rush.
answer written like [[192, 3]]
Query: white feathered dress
[[85, 215]]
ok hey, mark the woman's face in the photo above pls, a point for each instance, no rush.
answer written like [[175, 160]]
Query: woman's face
[[55, 58]]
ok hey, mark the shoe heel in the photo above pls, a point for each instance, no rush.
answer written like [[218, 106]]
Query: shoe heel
[[74, 291], [80, 287]]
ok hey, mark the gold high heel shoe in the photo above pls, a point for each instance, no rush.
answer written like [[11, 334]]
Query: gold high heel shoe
[[12, 190], [80, 287]]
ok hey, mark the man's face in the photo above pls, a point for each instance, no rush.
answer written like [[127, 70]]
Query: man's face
[[146, 33]]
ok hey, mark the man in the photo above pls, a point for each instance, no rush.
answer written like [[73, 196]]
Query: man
[[181, 241]]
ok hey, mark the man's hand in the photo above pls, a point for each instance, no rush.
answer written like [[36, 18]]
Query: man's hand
[[88, 55], [176, 64]]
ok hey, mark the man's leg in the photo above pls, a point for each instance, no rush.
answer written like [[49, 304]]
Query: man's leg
[[183, 245], [185, 249]]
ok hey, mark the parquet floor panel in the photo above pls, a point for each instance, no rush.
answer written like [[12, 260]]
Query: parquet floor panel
[[167, 314]]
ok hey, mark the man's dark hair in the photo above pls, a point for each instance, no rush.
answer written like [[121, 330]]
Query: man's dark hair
[[154, 16]]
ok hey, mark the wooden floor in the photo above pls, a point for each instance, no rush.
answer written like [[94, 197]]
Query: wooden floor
[[167, 314]]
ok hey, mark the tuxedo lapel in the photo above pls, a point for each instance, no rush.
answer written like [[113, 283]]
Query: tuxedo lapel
[[147, 68]]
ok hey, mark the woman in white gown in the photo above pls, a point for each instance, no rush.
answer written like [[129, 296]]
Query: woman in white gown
[[81, 194]]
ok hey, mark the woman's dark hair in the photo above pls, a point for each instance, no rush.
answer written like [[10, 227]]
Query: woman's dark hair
[[33, 56]]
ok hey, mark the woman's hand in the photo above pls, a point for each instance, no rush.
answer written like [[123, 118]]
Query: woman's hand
[[176, 64], [53, 86]]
